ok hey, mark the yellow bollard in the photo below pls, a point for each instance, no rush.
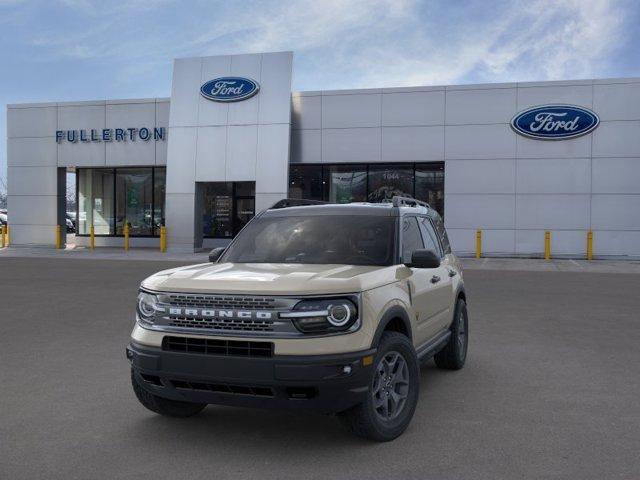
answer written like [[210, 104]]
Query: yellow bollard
[[547, 245], [163, 239], [92, 237], [478, 243], [7, 236], [58, 237], [589, 245], [2, 236], [126, 237]]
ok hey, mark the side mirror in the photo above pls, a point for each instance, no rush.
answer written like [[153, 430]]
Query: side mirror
[[424, 259], [215, 254]]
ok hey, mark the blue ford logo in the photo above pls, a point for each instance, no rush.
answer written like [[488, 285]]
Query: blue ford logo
[[229, 89], [555, 122]]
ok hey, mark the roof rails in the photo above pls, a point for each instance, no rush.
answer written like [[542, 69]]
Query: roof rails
[[296, 202], [408, 202]]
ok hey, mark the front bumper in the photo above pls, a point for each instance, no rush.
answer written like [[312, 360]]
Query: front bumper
[[319, 383]]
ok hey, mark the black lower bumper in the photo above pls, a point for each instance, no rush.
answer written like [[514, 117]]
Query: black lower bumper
[[321, 383]]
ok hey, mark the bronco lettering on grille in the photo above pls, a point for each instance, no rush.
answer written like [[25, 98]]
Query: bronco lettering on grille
[[213, 313]]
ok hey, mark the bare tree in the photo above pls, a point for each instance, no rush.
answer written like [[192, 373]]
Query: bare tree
[[3, 193]]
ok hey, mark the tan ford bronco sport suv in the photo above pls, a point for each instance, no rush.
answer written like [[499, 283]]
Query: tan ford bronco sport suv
[[324, 308]]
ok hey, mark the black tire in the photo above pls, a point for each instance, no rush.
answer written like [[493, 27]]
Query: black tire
[[164, 406], [365, 420], [454, 354]]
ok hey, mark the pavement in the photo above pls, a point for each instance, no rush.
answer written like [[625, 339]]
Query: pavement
[[550, 389]]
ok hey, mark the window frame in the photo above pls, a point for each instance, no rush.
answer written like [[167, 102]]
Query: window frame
[[435, 237], [401, 218], [234, 222]]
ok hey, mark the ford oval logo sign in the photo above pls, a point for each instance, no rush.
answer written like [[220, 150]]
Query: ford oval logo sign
[[555, 122], [229, 89]]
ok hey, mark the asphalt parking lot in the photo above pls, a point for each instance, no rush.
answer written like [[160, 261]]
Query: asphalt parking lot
[[551, 389]]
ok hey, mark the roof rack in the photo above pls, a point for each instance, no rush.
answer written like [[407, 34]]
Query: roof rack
[[296, 202], [398, 201]]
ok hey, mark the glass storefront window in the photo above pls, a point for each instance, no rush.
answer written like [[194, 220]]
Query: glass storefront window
[[134, 196], [109, 197], [305, 181], [345, 183], [430, 185], [387, 181], [227, 207], [95, 201]]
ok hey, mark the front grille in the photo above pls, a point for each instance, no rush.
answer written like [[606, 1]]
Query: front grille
[[224, 388], [222, 324], [205, 346], [222, 301]]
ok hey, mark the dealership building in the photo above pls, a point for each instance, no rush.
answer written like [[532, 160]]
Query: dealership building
[[513, 160]]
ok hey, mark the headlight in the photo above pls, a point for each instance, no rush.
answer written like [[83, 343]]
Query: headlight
[[324, 315], [147, 306]]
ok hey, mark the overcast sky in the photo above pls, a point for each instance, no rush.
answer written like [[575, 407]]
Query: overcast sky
[[85, 49]]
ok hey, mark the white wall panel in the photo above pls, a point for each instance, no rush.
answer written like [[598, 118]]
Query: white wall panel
[[563, 242], [543, 95], [306, 111], [180, 215], [564, 175], [306, 146], [479, 211], [480, 106], [550, 212], [76, 117], [33, 180], [32, 122], [571, 148], [350, 111], [617, 102], [615, 212], [413, 108], [181, 172], [480, 176], [162, 120], [275, 88], [208, 112], [36, 235], [32, 152], [616, 243], [616, 175], [351, 145], [131, 152], [617, 139], [241, 153], [185, 92], [499, 242], [81, 154], [211, 157], [272, 174], [32, 210], [246, 111], [412, 144], [479, 141]]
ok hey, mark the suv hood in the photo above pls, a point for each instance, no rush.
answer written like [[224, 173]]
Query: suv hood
[[271, 278]]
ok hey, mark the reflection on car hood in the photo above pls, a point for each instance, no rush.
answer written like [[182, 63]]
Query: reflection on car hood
[[271, 278]]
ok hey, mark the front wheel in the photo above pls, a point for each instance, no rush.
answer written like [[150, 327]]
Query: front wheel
[[454, 354], [393, 392]]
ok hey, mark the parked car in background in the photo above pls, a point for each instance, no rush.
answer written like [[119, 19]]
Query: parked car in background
[[3, 217], [71, 222]]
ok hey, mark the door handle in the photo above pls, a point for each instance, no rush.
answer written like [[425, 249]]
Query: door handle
[[435, 279], [452, 273]]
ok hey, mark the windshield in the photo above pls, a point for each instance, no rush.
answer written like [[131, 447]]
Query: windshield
[[325, 239]]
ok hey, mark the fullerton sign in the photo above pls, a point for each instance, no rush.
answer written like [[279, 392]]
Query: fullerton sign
[[555, 122], [111, 135]]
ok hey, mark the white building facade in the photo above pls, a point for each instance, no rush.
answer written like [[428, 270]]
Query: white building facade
[[513, 160]]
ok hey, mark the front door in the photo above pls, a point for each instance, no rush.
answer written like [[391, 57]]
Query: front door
[[430, 287]]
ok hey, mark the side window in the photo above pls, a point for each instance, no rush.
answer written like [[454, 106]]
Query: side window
[[442, 234], [430, 239], [411, 238]]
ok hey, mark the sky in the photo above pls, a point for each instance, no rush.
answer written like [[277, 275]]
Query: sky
[[62, 50]]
